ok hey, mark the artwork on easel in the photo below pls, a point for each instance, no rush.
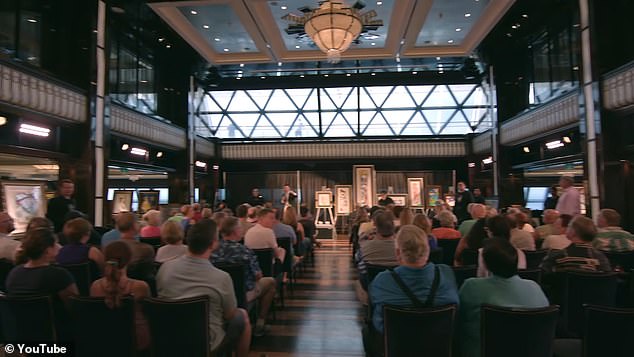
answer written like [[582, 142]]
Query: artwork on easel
[[23, 200], [414, 191], [434, 194], [324, 199], [343, 202], [364, 185]]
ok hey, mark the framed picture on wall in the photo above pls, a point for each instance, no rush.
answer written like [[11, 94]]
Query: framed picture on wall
[[400, 200], [122, 201], [23, 200], [148, 200], [323, 199], [364, 178], [415, 192], [343, 199], [434, 193]]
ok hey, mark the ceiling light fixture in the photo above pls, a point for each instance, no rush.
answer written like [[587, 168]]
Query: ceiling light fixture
[[373, 44], [3, 120], [279, 64], [125, 147], [241, 64], [168, 46], [217, 39], [450, 41], [373, 74], [437, 58], [193, 12], [226, 50], [566, 139], [527, 149], [31, 20], [471, 164], [379, 3], [161, 39], [458, 29], [283, 7], [467, 15], [297, 46], [347, 74], [333, 26], [205, 26], [138, 151], [201, 164], [414, 72], [525, 16], [554, 144], [34, 130], [487, 161], [262, 77], [159, 154], [301, 76]]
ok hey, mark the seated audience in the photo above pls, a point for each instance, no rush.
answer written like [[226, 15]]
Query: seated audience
[[77, 232], [193, 275], [230, 251], [172, 237], [380, 250], [38, 277], [521, 238], [302, 244], [207, 213], [579, 255], [473, 240], [241, 213], [421, 221], [8, 245], [405, 217], [412, 252], [308, 223], [114, 234], [115, 284], [548, 228], [366, 227], [503, 288], [261, 235], [141, 264], [180, 215], [94, 238], [152, 229], [477, 212], [498, 227], [611, 237], [447, 226], [558, 239]]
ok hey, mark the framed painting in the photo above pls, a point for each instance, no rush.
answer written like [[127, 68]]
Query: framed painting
[[23, 200], [122, 201], [400, 200], [364, 178], [343, 199], [148, 200], [324, 199], [415, 192], [434, 193]]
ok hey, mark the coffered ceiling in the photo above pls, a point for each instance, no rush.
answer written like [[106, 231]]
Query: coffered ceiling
[[252, 31]]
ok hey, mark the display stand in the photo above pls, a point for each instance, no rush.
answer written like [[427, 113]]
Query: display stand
[[327, 222]]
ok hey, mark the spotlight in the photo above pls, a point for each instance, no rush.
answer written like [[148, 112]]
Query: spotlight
[[159, 154], [201, 164], [488, 160], [554, 144], [138, 151], [125, 147], [3, 120], [527, 149], [471, 164], [567, 139], [34, 130]]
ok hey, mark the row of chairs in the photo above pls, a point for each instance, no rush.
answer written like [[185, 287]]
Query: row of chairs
[[177, 327]]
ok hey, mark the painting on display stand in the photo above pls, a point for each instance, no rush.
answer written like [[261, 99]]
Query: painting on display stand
[[324, 199], [148, 200], [434, 194], [122, 201], [343, 199], [364, 178], [414, 191], [23, 200]]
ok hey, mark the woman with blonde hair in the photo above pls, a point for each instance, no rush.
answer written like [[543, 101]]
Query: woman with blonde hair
[[290, 218], [421, 221], [406, 217], [115, 284], [152, 228], [172, 237]]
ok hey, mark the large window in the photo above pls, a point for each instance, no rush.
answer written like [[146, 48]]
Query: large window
[[343, 112]]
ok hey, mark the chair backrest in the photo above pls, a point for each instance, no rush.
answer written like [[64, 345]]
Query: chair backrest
[[531, 274], [238, 276], [374, 270], [155, 242], [5, 267], [574, 289], [538, 243], [436, 255], [449, 249], [101, 331], [470, 257], [607, 331], [28, 319], [624, 260], [286, 243], [416, 332], [178, 327], [463, 273], [82, 275], [534, 258], [517, 332], [265, 260]]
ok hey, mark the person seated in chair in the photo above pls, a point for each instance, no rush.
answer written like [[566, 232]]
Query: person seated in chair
[[77, 251], [611, 237], [172, 236], [230, 251], [503, 288], [152, 228]]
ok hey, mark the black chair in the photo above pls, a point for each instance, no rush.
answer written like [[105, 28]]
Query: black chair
[[178, 327], [449, 249], [470, 257], [82, 275], [463, 273], [620, 260], [155, 242], [374, 270], [436, 255], [539, 243], [5, 268], [102, 230], [517, 332], [238, 276], [28, 319], [287, 264], [265, 261], [531, 274], [534, 258], [101, 331], [607, 331], [573, 289], [418, 332]]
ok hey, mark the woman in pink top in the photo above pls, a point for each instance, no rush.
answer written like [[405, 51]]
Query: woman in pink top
[[152, 228]]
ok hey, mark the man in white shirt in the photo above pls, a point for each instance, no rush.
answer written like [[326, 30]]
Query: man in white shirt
[[261, 235], [569, 200], [7, 244]]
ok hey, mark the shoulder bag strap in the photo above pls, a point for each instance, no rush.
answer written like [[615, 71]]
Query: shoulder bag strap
[[434, 288], [417, 303]]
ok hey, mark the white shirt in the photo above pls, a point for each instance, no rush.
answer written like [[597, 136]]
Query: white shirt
[[556, 241], [569, 202], [169, 252], [522, 240], [8, 246], [260, 237]]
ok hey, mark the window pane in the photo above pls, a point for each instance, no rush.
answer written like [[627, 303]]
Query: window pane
[[335, 125], [440, 97], [242, 103], [374, 97], [280, 102], [399, 98], [335, 98]]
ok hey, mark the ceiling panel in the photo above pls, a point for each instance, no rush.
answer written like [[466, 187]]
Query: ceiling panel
[[448, 22]]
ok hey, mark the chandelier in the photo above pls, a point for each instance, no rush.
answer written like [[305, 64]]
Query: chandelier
[[333, 26]]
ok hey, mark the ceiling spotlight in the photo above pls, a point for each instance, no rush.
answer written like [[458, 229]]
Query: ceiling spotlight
[[325, 75], [373, 74], [441, 71], [201, 164], [138, 151], [437, 58], [554, 144], [471, 164], [3, 120], [226, 49], [379, 3], [527, 149], [373, 44], [513, 27], [566, 139], [34, 130], [159, 154], [487, 161], [301, 76], [279, 64], [238, 78], [193, 12], [283, 7], [297, 46], [205, 26], [31, 20], [467, 15], [168, 46], [125, 147], [347, 74], [161, 39], [216, 167], [450, 41], [414, 72], [458, 29], [262, 77], [525, 16], [217, 39], [241, 64]]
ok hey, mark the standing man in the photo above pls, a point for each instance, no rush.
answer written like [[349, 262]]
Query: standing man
[[256, 198], [477, 196], [289, 198], [463, 198], [385, 200], [61, 204], [569, 202]]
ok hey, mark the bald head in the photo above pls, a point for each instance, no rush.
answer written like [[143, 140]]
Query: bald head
[[6, 223], [478, 211], [550, 216]]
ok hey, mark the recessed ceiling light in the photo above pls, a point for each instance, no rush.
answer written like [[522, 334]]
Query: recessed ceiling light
[[3, 120], [325, 75], [379, 3], [296, 46], [205, 26], [525, 16], [238, 78], [283, 7], [143, 81], [226, 49], [437, 58], [373, 44], [241, 64], [279, 64], [414, 72], [194, 12], [450, 41], [441, 71], [168, 46], [458, 29], [217, 39], [125, 147], [513, 27], [161, 39], [373, 74], [347, 74], [527, 149], [262, 77], [31, 20], [467, 14], [301, 76], [159, 154], [567, 139]]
